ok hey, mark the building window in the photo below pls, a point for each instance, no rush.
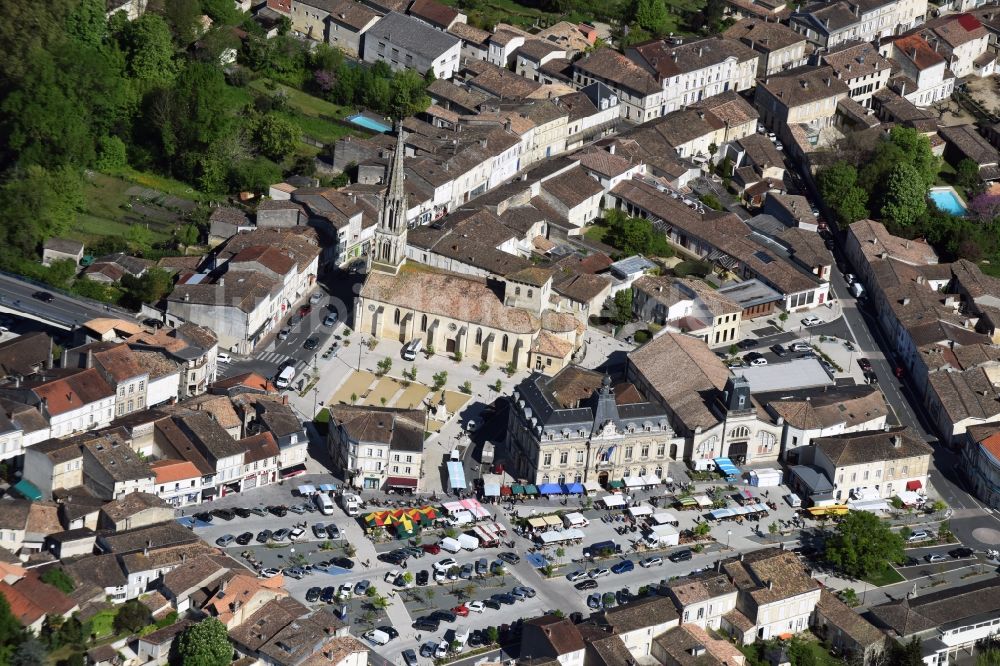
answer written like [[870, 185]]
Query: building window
[[423, 323], [564, 457], [645, 450], [479, 336], [579, 457], [547, 460], [628, 453], [517, 291], [395, 317], [661, 450], [504, 343]]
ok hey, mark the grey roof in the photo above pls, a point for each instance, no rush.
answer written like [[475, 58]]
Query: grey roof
[[413, 35], [750, 293], [814, 478], [789, 375], [631, 266]]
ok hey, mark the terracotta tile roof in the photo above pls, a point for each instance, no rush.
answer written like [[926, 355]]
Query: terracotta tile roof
[[770, 575], [259, 447], [433, 12], [604, 163], [873, 446], [612, 67], [551, 345], [70, 389], [251, 380], [398, 428], [269, 257], [195, 572], [639, 614], [918, 51], [353, 14], [119, 362], [162, 558], [850, 405], [930, 610], [667, 60], [335, 651], [131, 504], [470, 34], [681, 646], [704, 373], [700, 587], [242, 588], [572, 188], [449, 295], [805, 85], [100, 570], [847, 620], [560, 635], [764, 36], [170, 471], [30, 599]]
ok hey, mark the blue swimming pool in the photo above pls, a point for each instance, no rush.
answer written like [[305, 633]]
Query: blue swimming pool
[[947, 200], [362, 120]]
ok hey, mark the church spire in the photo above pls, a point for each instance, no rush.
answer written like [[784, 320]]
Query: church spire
[[389, 251]]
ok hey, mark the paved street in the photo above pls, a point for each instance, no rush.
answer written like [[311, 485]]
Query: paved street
[[16, 297]]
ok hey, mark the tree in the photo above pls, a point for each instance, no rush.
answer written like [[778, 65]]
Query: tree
[[905, 195], [967, 176], [205, 643], [276, 136], [492, 635], [39, 204], [58, 579], [863, 545], [153, 285], [11, 632], [87, 22], [652, 15], [440, 379], [623, 307], [111, 153], [30, 652], [131, 617], [838, 185], [906, 654], [849, 597], [635, 235], [408, 94], [149, 51], [184, 19], [254, 175]]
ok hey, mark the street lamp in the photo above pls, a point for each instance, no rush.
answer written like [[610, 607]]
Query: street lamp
[[360, 347], [729, 534]]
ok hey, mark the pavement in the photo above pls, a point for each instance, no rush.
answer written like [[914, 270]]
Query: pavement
[[16, 298]]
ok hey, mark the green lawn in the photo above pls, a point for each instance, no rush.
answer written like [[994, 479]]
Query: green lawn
[[301, 101], [105, 199], [992, 269], [888, 576], [596, 233], [318, 128], [103, 623]]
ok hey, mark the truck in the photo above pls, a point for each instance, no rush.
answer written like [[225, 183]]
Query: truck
[[449, 544], [285, 377], [350, 503], [857, 289], [468, 541], [602, 548], [324, 504]]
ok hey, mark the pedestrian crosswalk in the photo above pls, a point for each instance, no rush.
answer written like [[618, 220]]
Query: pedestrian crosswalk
[[277, 358]]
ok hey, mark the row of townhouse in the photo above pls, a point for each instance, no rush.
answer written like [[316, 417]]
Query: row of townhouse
[[254, 280], [756, 596], [121, 369], [239, 436]]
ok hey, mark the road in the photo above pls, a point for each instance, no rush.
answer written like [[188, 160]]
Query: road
[[65, 310]]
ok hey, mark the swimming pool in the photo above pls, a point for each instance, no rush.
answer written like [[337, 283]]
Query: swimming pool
[[947, 200], [368, 123]]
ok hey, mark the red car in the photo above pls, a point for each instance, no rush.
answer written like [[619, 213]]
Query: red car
[[305, 309], [460, 610], [431, 548]]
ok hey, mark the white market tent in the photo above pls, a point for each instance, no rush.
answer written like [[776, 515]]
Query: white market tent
[[765, 477], [634, 482], [613, 501], [870, 505], [641, 510], [559, 536], [702, 501], [591, 487], [667, 535], [664, 518]]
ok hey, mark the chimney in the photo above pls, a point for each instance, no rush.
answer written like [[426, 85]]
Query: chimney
[[611, 149], [149, 544], [701, 51], [507, 126], [857, 10], [897, 441], [805, 85], [222, 281], [770, 584], [828, 81], [187, 297]]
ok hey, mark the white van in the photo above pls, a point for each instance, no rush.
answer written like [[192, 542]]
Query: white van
[[325, 504], [284, 379], [377, 637], [461, 637], [411, 349]]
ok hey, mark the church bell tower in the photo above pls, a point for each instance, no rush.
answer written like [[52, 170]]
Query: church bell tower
[[389, 251]]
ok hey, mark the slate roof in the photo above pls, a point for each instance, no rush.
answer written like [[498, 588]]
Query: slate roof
[[412, 34], [927, 611]]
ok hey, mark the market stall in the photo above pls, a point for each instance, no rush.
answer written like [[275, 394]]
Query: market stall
[[615, 501], [765, 477], [559, 536]]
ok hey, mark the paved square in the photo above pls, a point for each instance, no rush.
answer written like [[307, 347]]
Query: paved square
[[356, 383], [385, 389]]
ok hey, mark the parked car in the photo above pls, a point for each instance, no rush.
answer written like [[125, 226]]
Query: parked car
[[504, 598], [865, 364], [241, 512], [778, 350], [427, 649], [311, 343], [225, 540], [748, 343], [576, 575], [422, 577], [918, 535], [461, 610], [333, 532], [264, 536], [361, 587], [278, 510], [960, 552], [305, 309], [445, 564], [329, 594], [510, 558], [426, 624], [313, 594], [811, 321], [653, 561], [43, 296], [623, 567], [316, 297], [599, 572], [284, 333], [934, 557], [680, 555], [343, 562], [224, 514], [589, 584], [594, 601], [444, 616], [244, 538], [493, 603], [281, 535], [801, 347], [270, 572], [475, 606], [409, 657], [482, 566], [431, 548], [344, 591], [758, 362], [319, 530]]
